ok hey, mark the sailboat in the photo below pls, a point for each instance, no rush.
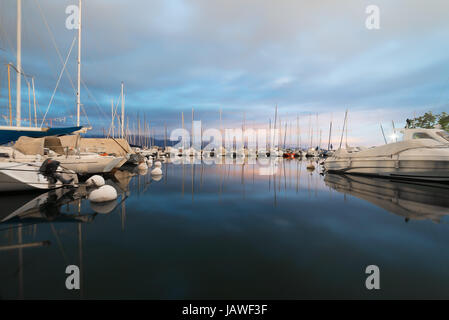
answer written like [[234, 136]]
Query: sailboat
[[13, 132]]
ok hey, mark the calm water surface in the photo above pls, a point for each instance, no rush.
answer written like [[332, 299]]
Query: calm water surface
[[229, 231]]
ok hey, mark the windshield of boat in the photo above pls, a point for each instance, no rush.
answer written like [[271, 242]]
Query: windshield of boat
[[421, 135], [444, 135]]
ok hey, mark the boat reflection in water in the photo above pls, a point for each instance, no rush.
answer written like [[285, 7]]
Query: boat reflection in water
[[411, 201], [47, 207]]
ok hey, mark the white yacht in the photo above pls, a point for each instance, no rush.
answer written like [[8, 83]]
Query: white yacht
[[422, 155]]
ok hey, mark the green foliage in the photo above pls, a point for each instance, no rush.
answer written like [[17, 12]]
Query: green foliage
[[443, 121], [429, 121]]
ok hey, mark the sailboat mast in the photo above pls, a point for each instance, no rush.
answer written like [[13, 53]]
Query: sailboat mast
[[78, 93], [34, 103], [9, 95], [19, 62], [343, 131], [297, 132], [123, 113]]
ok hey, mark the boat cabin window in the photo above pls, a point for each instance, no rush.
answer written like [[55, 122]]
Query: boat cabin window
[[443, 134], [421, 135]]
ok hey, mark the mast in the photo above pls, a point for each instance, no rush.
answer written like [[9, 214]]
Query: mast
[[297, 132], [285, 134], [9, 95], [221, 132], [123, 113], [344, 126], [34, 103], [269, 135], [383, 133], [19, 62], [182, 123], [275, 121], [112, 118], [191, 142], [78, 93], [165, 136]]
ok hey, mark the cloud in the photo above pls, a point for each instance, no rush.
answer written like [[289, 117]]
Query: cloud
[[240, 56]]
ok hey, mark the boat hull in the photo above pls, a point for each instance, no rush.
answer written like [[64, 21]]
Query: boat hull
[[17, 176], [428, 170], [92, 166]]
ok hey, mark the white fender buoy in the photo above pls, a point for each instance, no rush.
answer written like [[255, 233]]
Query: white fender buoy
[[158, 164], [103, 194], [149, 162], [95, 181], [103, 207], [156, 172], [142, 166]]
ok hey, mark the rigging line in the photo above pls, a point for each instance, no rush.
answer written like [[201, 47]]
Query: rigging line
[[89, 93], [84, 110], [57, 83], [62, 61], [54, 42], [115, 114]]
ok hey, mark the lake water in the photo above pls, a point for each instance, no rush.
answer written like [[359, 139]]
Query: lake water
[[229, 231]]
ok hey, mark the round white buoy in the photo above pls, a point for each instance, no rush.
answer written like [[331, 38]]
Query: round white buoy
[[156, 172], [142, 166], [158, 164], [95, 181], [103, 194], [103, 207]]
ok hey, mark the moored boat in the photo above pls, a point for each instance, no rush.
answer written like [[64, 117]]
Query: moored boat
[[27, 176], [423, 155]]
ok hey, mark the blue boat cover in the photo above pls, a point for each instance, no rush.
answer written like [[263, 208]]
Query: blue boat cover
[[12, 135]]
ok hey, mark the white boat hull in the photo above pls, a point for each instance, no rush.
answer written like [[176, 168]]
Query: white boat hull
[[17, 176], [407, 169]]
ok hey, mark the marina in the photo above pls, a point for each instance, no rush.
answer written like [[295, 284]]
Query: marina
[[163, 171]]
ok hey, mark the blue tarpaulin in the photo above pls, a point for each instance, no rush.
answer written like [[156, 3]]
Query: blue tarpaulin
[[8, 135]]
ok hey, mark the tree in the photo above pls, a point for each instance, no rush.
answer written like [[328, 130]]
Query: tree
[[429, 121], [443, 121]]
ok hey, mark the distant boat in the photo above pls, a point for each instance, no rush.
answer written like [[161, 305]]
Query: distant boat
[[423, 155]]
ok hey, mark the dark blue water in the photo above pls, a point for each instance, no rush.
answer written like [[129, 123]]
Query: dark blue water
[[232, 232]]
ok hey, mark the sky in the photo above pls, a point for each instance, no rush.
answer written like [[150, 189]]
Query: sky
[[313, 59]]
